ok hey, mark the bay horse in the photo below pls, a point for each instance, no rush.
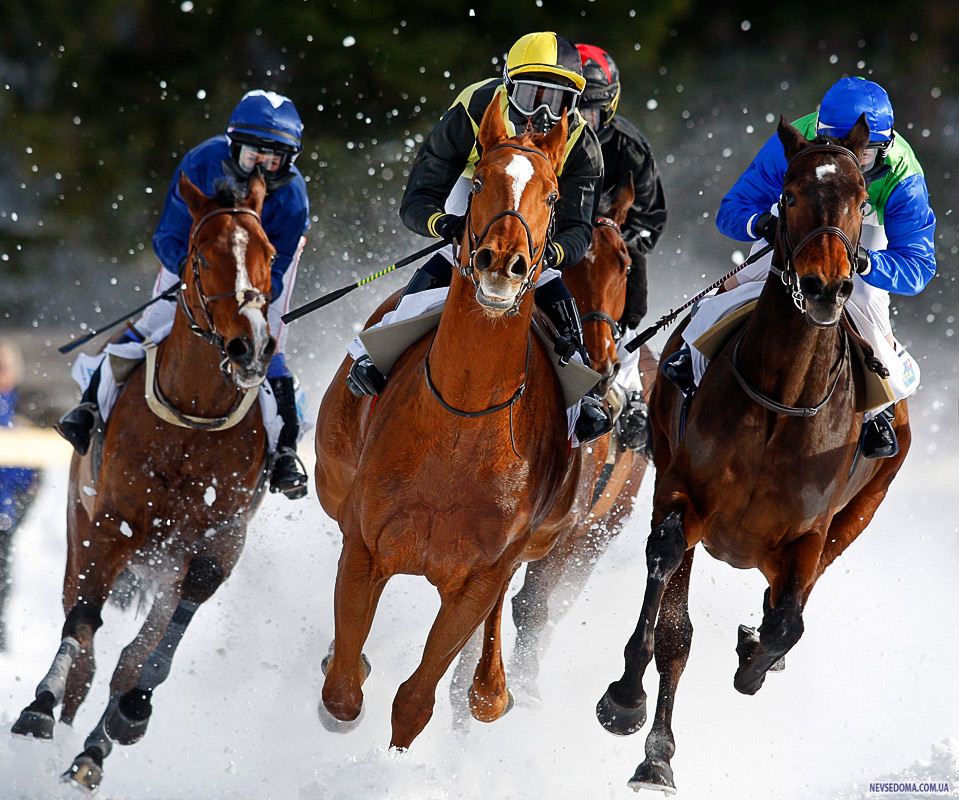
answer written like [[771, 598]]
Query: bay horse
[[173, 496], [461, 468], [612, 474], [767, 475]]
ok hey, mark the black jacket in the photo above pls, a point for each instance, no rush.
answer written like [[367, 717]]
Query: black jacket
[[452, 150], [625, 149]]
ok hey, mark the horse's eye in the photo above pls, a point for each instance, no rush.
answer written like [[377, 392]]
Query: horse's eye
[[477, 186], [790, 200], [552, 198]]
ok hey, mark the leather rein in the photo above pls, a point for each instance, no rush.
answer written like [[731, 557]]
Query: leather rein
[[602, 316]]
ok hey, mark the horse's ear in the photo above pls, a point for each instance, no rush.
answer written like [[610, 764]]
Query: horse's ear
[[793, 141], [256, 191], [492, 129], [195, 199], [858, 137], [623, 200], [554, 143]]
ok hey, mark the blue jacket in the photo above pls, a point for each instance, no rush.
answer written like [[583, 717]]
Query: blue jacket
[[899, 196], [286, 211], [15, 482]]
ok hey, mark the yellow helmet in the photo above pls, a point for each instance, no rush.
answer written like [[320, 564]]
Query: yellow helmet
[[545, 53]]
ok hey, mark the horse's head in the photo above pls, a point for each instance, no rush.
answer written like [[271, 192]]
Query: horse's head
[[513, 195], [821, 213], [227, 277], [598, 282]]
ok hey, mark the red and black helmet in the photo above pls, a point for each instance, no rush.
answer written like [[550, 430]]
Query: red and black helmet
[[602, 92]]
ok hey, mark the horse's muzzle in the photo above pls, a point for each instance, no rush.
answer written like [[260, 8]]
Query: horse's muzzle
[[824, 304], [247, 366]]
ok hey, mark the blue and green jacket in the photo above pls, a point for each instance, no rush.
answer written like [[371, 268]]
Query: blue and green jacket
[[897, 193]]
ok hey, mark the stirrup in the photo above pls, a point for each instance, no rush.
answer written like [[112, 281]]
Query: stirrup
[[364, 378], [879, 438], [632, 427], [594, 420], [76, 426], [293, 482]]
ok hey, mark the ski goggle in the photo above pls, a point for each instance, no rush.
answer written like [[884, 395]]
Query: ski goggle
[[528, 97], [251, 155], [874, 153]]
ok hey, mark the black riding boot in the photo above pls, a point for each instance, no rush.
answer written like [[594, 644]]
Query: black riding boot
[[76, 426], [879, 437], [594, 419], [364, 378], [678, 367], [632, 426], [287, 475]]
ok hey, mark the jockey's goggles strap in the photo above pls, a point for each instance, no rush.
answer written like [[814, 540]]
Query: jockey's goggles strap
[[528, 97]]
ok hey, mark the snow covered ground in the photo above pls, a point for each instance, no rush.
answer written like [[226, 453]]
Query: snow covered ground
[[870, 692]]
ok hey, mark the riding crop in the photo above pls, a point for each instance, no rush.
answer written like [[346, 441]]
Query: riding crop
[[328, 298], [66, 348], [670, 318]]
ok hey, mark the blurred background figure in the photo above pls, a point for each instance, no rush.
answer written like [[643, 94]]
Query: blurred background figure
[[17, 484]]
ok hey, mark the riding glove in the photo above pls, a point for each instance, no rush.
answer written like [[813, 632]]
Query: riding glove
[[450, 226], [863, 261], [765, 227]]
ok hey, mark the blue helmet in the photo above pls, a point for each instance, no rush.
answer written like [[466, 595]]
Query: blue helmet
[[846, 100], [266, 119]]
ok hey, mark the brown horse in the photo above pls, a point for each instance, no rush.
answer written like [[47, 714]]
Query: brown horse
[[611, 474], [171, 497], [768, 474], [461, 468]]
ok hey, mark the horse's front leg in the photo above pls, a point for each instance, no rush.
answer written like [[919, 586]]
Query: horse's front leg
[[461, 611], [674, 637], [127, 715], [622, 709], [489, 697], [792, 580], [358, 589]]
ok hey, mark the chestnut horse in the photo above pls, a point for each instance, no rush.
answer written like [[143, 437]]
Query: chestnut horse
[[611, 474], [171, 497], [767, 475], [461, 468]]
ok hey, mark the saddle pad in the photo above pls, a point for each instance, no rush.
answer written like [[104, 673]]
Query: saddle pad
[[386, 342], [878, 393]]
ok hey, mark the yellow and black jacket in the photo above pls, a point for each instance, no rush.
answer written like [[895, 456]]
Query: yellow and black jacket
[[451, 150]]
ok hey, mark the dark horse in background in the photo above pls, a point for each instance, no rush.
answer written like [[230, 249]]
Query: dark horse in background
[[767, 475], [173, 495]]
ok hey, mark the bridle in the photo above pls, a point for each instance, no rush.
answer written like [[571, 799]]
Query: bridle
[[536, 253], [602, 316], [249, 297], [788, 273]]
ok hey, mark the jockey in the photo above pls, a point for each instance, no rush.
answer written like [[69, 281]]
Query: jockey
[[264, 130], [896, 253], [542, 78], [625, 150]]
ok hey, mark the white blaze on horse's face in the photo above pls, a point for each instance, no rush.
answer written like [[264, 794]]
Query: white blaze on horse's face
[[520, 169], [252, 311], [824, 170]]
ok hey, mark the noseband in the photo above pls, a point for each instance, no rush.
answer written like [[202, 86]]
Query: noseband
[[602, 316], [788, 274], [251, 297], [468, 271]]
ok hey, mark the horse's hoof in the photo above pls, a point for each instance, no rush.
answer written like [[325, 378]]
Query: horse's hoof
[[657, 776], [618, 719], [367, 667], [334, 725], [124, 729], [84, 774], [779, 666], [747, 643], [746, 683], [34, 725]]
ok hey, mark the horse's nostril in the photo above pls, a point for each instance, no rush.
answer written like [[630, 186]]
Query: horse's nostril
[[811, 286], [517, 266], [483, 259], [845, 291], [270, 348], [239, 351]]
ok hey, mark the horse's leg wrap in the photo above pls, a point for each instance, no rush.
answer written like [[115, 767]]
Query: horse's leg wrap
[[622, 710], [128, 723], [36, 719]]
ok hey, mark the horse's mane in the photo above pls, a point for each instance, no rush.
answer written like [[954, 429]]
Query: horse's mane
[[229, 194]]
